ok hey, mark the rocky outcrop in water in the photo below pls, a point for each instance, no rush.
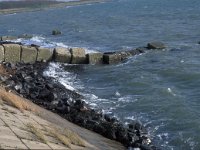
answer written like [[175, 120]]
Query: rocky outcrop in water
[[28, 81]]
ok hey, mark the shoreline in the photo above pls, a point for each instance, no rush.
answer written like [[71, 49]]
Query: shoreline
[[28, 81], [47, 7]]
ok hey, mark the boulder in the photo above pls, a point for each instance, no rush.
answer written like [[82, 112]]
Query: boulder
[[8, 38], [111, 58], [94, 58], [29, 54], [12, 53], [78, 56], [1, 53], [156, 45], [44, 54], [25, 36], [62, 55], [56, 32]]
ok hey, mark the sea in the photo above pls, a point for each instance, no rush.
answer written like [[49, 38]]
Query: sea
[[160, 88]]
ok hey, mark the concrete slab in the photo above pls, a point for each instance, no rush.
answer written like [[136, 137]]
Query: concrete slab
[[56, 146], [44, 54], [12, 53], [29, 54], [62, 55], [35, 144]]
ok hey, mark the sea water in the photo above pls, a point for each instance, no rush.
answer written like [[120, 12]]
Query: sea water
[[159, 88]]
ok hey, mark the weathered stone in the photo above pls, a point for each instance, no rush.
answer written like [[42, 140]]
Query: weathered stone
[[29, 54], [44, 54], [25, 36], [8, 38], [12, 52], [94, 58], [56, 32], [111, 58], [78, 56], [156, 45], [63, 55], [1, 53]]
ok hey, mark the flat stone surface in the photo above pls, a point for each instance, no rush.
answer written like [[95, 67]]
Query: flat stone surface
[[78, 56], [94, 58], [56, 146], [35, 144], [44, 54], [12, 52], [63, 55], [2, 123], [23, 134], [29, 54], [1, 53]]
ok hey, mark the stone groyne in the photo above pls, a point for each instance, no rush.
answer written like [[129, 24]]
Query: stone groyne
[[17, 52]]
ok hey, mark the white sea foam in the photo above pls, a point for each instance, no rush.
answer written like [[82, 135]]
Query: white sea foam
[[55, 71]]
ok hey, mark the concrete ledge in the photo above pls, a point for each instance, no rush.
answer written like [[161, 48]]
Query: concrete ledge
[[111, 58], [62, 55], [1, 53], [44, 54], [29, 54], [12, 53]]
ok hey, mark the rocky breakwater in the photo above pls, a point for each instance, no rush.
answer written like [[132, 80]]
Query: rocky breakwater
[[28, 81]]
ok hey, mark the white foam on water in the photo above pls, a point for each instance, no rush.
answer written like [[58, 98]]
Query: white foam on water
[[55, 71]]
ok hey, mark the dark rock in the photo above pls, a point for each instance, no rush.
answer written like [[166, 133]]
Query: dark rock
[[56, 32], [29, 81], [156, 45], [199, 42], [25, 36]]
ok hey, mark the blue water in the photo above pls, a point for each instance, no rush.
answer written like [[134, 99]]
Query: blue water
[[160, 88]]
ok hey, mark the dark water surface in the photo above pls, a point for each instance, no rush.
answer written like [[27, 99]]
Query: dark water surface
[[160, 88]]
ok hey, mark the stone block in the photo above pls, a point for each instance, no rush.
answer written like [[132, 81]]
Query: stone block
[[44, 54], [63, 55], [1, 53], [156, 45], [8, 38], [94, 58], [29, 54], [111, 58], [12, 53], [78, 56]]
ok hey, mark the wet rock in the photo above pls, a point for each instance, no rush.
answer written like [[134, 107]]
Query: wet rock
[[29, 54], [12, 52], [8, 38], [56, 32], [29, 81], [44, 54], [25, 36], [1, 53], [156, 45], [94, 58], [78, 56], [62, 55]]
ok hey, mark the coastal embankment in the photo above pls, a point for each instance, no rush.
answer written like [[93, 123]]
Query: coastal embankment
[[25, 65]]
